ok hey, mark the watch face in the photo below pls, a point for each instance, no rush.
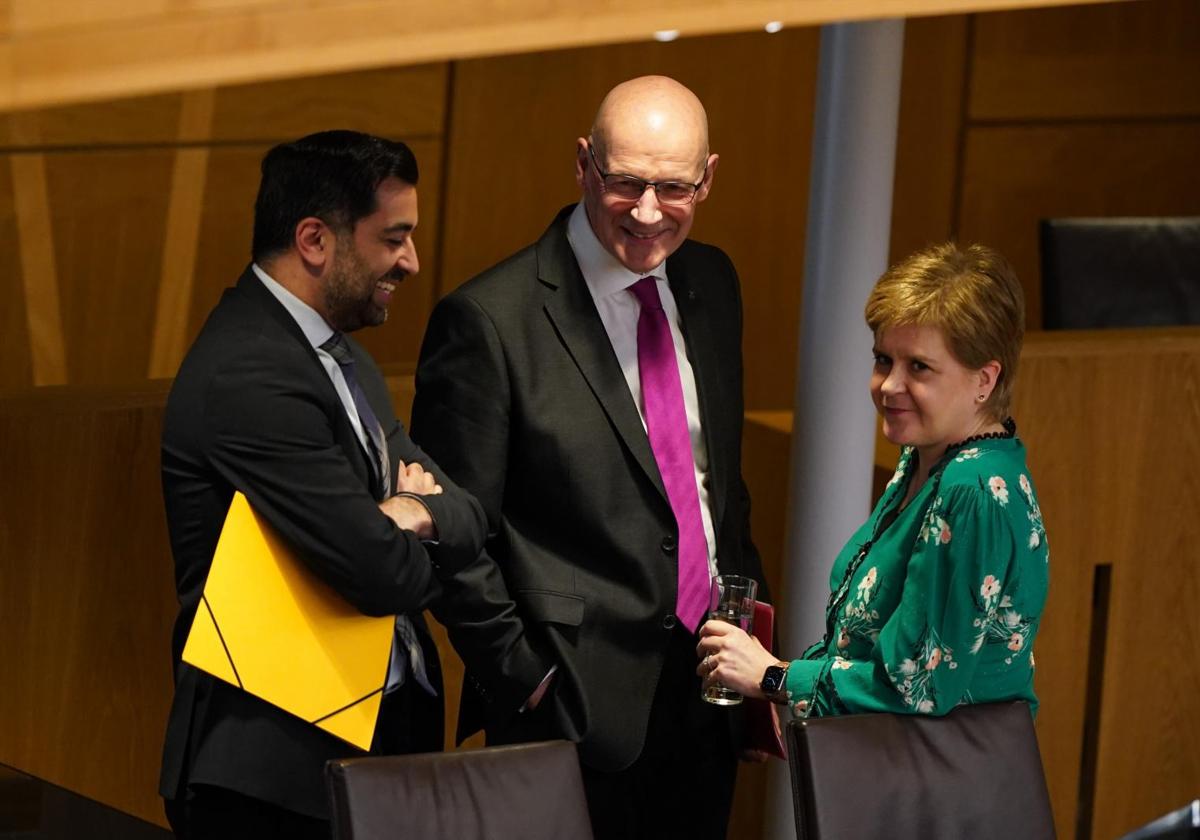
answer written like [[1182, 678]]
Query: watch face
[[773, 679]]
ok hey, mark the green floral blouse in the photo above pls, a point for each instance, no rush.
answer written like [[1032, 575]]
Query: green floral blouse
[[938, 603]]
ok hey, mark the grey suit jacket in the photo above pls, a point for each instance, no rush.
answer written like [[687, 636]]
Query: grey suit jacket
[[520, 398]]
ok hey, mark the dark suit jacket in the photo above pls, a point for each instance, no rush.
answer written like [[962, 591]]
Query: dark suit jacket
[[253, 409], [521, 399]]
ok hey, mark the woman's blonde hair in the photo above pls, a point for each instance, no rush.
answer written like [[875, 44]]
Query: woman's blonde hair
[[972, 295]]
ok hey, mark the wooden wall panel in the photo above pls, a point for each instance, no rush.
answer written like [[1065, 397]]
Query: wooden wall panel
[[510, 163], [766, 450], [511, 166], [17, 370], [1043, 410], [403, 103], [758, 209], [1149, 762], [226, 227], [1112, 422], [1086, 110], [109, 211], [1119, 60], [929, 136], [181, 238], [126, 234], [1014, 176], [39, 271], [138, 120], [86, 593]]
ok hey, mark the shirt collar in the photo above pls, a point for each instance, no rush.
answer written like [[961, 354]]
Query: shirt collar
[[604, 274], [310, 322]]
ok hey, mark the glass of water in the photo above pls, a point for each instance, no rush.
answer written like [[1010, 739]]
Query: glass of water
[[730, 599]]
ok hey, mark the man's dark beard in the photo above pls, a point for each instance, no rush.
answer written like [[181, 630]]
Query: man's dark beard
[[349, 290]]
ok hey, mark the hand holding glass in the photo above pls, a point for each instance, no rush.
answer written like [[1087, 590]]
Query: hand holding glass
[[730, 599]]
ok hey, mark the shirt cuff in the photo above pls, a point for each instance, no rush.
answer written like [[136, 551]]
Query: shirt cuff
[[417, 498], [801, 683]]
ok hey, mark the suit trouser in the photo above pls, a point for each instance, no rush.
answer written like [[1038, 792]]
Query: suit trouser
[[682, 783]]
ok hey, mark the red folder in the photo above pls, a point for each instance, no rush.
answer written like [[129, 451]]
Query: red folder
[[762, 720]]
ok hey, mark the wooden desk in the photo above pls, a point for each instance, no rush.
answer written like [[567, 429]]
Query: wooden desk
[[86, 592]]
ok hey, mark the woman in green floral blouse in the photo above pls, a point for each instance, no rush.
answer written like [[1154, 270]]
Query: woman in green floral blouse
[[937, 598]]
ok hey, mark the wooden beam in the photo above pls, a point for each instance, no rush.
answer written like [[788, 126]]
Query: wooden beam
[[51, 52], [183, 234], [39, 273]]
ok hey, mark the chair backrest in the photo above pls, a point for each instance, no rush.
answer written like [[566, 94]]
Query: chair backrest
[[1180, 824], [975, 773], [1120, 272], [526, 791]]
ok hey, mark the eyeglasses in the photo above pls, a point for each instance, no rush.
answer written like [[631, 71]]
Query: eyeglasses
[[631, 188]]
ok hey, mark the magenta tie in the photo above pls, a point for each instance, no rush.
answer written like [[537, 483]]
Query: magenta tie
[[666, 424]]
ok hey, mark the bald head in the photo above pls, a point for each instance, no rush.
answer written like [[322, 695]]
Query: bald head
[[653, 115], [650, 132]]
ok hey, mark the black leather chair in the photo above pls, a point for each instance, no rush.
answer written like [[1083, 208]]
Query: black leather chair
[[1120, 272], [975, 773], [520, 792], [1182, 824]]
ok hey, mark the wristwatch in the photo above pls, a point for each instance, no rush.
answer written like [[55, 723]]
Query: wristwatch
[[773, 682]]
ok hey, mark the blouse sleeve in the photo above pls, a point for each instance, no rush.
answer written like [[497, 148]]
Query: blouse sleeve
[[953, 599]]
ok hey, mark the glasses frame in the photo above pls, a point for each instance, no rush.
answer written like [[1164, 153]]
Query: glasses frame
[[604, 176]]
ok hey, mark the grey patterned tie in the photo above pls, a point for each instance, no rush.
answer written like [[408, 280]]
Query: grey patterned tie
[[377, 447], [406, 649]]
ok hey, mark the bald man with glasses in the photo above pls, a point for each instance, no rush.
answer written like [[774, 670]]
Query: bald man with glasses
[[588, 391]]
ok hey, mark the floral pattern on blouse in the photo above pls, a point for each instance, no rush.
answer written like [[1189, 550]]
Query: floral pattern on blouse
[[936, 528], [999, 488], [1000, 622], [938, 602], [858, 618], [1037, 531], [913, 677]]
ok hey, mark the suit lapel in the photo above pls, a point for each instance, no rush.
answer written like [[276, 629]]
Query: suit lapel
[[249, 285], [697, 323], [572, 311]]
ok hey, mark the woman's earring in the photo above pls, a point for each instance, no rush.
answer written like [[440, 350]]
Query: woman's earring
[[981, 398]]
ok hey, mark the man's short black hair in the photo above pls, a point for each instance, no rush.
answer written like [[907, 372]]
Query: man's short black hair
[[331, 175]]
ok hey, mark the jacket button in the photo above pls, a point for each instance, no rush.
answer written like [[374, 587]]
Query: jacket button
[[668, 544], [669, 621]]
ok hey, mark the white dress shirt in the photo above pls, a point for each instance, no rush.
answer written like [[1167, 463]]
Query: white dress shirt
[[609, 282], [317, 332]]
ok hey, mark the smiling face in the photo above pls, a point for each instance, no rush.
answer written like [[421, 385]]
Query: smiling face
[[370, 261], [655, 129], [927, 398], [641, 234]]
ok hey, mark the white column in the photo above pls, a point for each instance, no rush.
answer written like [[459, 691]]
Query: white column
[[846, 249]]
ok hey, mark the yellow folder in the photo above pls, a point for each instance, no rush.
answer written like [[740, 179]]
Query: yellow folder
[[268, 625]]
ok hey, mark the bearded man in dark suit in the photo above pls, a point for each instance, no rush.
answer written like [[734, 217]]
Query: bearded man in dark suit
[[276, 401], [588, 390]]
